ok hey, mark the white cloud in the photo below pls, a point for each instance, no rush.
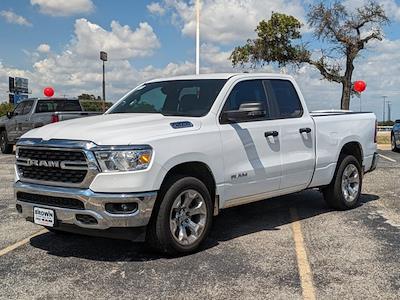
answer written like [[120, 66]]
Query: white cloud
[[43, 48], [121, 42], [156, 8], [227, 21], [13, 18], [64, 7]]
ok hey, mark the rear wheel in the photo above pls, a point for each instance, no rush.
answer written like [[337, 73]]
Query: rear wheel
[[393, 142], [182, 220], [345, 189], [5, 147]]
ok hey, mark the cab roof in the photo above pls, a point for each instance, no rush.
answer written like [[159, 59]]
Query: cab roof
[[221, 76]]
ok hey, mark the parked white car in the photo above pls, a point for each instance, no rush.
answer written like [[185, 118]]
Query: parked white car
[[161, 162]]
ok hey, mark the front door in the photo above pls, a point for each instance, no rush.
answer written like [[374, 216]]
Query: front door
[[252, 156]]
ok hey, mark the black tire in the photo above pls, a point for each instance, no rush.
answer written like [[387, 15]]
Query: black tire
[[5, 147], [159, 235], [333, 193], [394, 146]]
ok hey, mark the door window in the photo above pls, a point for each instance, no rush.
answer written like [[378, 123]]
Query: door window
[[27, 107], [245, 92], [249, 91], [19, 108], [285, 97]]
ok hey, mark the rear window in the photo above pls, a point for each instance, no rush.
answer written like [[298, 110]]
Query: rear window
[[44, 106]]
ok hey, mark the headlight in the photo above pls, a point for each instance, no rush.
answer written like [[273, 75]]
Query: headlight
[[123, 160]]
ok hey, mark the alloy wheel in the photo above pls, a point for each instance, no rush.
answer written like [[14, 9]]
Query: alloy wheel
[[350, 183], [188, 217]]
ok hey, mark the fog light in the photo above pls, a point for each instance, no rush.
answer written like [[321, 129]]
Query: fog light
[[121, 208]]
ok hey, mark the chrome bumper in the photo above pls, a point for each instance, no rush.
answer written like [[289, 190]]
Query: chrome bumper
[[94, 205]]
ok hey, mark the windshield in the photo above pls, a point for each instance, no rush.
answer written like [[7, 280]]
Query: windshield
[[192, 98]]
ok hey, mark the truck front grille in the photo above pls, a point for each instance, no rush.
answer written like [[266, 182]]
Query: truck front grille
[[50, 201], [47, 154], [52, 174], [52, 165]]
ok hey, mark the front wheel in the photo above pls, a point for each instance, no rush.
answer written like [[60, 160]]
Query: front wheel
[[183, 218], [345, 189], [5, 147], [393, 143]]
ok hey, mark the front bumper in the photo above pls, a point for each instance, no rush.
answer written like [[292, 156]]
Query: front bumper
[[94, 206]]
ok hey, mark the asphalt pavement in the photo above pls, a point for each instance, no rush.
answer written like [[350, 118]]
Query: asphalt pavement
[[291, 247]]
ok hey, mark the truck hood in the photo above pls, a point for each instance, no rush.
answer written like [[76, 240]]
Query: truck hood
[[115, 129]]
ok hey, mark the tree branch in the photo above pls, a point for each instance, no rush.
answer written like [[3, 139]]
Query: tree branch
[[329, 73]]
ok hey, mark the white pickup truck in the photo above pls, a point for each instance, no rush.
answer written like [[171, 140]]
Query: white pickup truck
[[163, 160]]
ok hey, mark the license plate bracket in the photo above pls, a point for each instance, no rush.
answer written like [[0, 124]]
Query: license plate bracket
[[44, 216]]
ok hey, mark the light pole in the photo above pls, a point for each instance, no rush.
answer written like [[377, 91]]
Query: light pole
[[384, 104], [197, 37], [389, 104], [103, 57]]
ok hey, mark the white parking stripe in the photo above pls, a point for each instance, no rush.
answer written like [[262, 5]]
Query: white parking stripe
[[387, 158]]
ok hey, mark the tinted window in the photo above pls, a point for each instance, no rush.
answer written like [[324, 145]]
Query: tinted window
[[174, 98], [246, 92], [44, 106], [283, 93], [27, 107], [19, 108]]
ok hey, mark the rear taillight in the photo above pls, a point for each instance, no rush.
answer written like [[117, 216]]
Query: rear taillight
[[376, 132], [54, 119]]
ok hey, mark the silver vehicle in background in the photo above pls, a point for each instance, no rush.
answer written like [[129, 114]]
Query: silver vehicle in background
[[34, 113]]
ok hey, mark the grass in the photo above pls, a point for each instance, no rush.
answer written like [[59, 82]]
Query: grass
[[384, 137]]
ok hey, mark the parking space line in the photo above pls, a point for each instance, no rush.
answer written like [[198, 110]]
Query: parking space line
[[305, 273], [387, 158], [20, 243]]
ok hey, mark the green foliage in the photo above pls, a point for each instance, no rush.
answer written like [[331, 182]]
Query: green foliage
[[94, 105], [345, 32], [5, 108], [89, 97], [275, 43], [386, 123]]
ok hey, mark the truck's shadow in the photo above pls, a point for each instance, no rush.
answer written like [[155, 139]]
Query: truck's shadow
[[230, 224]]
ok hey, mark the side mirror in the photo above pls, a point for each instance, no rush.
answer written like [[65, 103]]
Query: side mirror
[[397, 121], [10, 114], [246, 112]]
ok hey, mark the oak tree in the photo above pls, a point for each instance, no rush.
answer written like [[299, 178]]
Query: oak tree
[[344, 32]]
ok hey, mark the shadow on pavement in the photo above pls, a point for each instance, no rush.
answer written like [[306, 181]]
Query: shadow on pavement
[[235, 222]]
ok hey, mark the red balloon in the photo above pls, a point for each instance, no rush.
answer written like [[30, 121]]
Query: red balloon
[[48, 91], [360, 86]]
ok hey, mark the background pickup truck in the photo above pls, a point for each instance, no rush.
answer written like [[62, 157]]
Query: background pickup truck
[[33, 113], [162, 161], [395, 136]]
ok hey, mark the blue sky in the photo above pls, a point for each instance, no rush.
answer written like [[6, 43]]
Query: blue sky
[[57, 42]]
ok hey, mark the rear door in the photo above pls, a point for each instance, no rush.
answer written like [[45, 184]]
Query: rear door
[[25, 122], [12, 125], [252, 160], [296, 137]]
